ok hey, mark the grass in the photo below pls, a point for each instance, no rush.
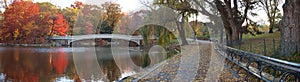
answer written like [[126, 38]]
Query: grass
[[256, 43]]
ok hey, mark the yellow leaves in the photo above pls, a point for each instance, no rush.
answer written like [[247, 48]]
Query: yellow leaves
[[1, 37], [16, 33], [75, 10], [28, 26]]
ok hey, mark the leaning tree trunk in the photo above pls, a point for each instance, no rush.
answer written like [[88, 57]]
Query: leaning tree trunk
[[182, 31], [290, 25]]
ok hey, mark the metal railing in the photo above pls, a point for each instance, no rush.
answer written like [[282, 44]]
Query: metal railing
[[263, 67]]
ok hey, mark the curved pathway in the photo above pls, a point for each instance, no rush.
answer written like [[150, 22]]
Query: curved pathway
[[192, 65]]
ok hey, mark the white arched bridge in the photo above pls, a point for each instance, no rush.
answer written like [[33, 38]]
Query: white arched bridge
[[73, 38]]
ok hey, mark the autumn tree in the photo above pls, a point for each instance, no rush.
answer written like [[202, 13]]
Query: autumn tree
[[125, 24], [87, 19], [71, 14], [290, 28], [112, 15], [46, 8], [271, 9], [20, 22], [60, 26]]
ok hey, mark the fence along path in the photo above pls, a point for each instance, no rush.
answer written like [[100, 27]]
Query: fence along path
[[263, 67]]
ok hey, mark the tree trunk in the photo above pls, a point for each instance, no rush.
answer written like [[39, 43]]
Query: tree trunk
[[271, 29], [231, 20], [182, 31], [289, 25], [272, 24]]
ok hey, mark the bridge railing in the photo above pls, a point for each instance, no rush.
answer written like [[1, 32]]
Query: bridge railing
[[263, 67]]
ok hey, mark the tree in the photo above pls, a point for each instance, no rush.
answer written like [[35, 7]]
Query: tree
[[272, 11], [112, 15], [125, 24], [234, 13], [70, 14], [185, 10], [20, 22], [60, 26], [77, 5], [46, 8], [87, 19], [1, 18], [290, 28]]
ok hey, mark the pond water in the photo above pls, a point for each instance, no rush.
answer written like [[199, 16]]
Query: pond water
[[72, 63]]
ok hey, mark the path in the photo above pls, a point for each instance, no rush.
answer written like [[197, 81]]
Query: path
[[196, 63]]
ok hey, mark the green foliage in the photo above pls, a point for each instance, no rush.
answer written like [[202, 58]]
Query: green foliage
[[184, 9], [204, 37], [258, 46], [157, 34], [271, 9], [106, 28], [46, 8], [112, 13], [261, 36]]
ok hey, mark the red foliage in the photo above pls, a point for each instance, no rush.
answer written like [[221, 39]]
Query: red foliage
[[18, 20], [60, 62], [61, 26], [77, 5]]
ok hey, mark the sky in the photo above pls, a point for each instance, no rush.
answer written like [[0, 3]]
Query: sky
[[131, 5], [126, 5]]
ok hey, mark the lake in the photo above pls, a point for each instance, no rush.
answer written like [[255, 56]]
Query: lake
[[74, 63]]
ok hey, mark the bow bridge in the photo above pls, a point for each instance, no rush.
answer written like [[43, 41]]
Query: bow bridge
[[73, 38]]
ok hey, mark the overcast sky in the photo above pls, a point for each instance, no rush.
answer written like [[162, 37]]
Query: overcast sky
[[131, 5], [126, 5]]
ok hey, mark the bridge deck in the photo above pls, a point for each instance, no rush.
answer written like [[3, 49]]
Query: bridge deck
[[91, 36], [71, 39]]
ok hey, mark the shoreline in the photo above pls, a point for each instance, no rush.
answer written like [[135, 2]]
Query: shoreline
[[31, 45]]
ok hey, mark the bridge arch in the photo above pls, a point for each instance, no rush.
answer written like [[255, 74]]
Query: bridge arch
[[71, 39]]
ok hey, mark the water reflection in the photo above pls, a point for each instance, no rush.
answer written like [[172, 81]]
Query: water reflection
[[33, 64]]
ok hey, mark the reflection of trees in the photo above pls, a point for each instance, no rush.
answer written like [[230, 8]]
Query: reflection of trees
[[24, 64], [110, 69], [108, 65], [18, 66], [59, 62]]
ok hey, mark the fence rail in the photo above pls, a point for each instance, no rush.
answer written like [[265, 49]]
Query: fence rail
[[263, 67]]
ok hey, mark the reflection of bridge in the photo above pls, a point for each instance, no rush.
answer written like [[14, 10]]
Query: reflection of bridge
[[73, 38]]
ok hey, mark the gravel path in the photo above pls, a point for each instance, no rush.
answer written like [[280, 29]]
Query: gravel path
[[197, 63]]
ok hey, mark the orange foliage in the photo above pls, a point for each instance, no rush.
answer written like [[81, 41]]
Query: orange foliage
[[61, 26], [78, 5], [22, 23]]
